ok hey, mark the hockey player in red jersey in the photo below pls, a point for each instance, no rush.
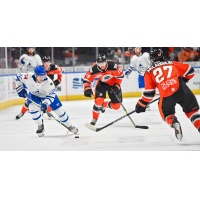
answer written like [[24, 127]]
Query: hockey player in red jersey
[[170, 78], [52, 70], [109, 76]]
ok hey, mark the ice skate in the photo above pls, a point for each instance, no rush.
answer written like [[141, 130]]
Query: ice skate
[[40, 130], [73, 129], [19, 115], [93, 122], [103, 109], [177, 127]]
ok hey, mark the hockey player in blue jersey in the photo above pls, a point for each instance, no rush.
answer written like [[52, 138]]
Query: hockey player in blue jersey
[[41, 88], [141, 63]]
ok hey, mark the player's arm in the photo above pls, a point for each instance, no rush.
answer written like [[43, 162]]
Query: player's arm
[[131, 68], [147, 95], [59, 73], [119, 75], [186, 71], [87, 81], [19, 84]]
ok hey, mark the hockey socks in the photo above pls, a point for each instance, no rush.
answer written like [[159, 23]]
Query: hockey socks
[[24, 108], [97, 107], [109, 104], [49, 109], [194, 118]]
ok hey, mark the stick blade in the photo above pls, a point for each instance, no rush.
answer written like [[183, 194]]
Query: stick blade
[[142, 127], [89, 126]]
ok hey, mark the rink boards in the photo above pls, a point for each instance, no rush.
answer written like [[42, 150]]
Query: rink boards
[[71, 87]]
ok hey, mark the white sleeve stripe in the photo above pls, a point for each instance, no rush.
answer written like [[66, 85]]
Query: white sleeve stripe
[[187, 70], [147, 97], [149, 90]]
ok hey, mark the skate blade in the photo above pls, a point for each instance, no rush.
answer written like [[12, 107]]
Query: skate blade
[[40, 134], [179, 135]]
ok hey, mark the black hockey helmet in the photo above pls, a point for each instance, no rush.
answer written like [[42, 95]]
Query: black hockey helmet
[[101, 58], [46, 59], [156, 55]]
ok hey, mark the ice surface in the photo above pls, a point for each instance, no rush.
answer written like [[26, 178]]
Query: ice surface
[[122, 136]]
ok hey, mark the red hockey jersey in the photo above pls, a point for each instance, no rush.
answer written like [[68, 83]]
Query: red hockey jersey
[[164, 75], [111, 75]]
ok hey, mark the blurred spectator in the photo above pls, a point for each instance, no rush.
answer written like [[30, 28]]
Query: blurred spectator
[[186, 54], [119, 58], [15, 63], [111, 51], [129, 54], [171, 54], [68, 58], [192, 57]]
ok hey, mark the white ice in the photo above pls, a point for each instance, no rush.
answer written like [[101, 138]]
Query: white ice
[[20, 135]]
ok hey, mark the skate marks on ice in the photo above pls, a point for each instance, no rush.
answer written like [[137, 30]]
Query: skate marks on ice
[[121, 136]]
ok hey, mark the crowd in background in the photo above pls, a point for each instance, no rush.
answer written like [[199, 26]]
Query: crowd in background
[[87, 55]]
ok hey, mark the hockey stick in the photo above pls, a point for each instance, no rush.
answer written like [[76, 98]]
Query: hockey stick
[[89, 126], [48, 113], [143, 127]]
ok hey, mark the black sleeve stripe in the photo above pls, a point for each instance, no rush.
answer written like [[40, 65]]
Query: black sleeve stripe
[[189, 72], [120, 76], [194, 118], [86, 81], [149, 94]]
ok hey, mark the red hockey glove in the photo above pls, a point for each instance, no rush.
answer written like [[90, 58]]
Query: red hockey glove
[[141, 106]]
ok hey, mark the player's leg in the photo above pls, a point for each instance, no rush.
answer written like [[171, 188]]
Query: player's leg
[[36, 116], [167, 111], [23, 110], [141, 85], [100, 95], [113, 103], [47, 115], [190, 107], [60, 112]]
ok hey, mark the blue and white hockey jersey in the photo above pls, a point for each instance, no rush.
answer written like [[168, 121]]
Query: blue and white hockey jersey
[[44, 90], [29, 63], [140, 63]]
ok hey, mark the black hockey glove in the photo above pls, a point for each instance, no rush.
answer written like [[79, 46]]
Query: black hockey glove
[[51, 76], [115, 89], [141, 106], [56, 82], [185, 80], [88, 92]]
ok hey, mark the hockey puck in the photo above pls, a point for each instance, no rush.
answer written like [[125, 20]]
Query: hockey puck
[[76, 136]]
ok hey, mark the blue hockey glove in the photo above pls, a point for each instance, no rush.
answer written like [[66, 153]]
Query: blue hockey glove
[[128, 72], [21, 91], [44, 107]]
